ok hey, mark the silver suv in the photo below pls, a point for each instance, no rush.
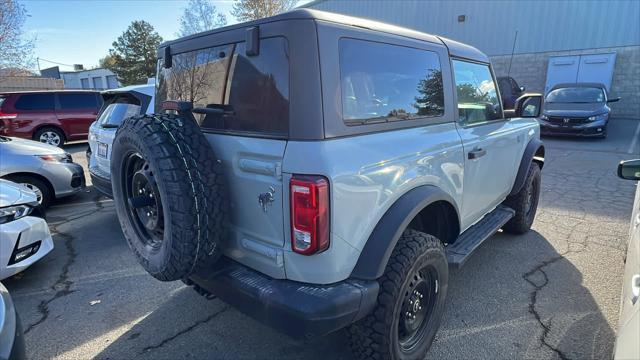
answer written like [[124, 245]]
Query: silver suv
[[319, 171]]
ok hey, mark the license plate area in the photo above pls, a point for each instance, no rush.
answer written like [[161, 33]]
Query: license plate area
[[102, 150]]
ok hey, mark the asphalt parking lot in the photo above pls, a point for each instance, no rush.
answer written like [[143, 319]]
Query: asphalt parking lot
[[552, 293]]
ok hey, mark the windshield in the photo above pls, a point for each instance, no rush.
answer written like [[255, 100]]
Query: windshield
[[576, 95], [113, 115]]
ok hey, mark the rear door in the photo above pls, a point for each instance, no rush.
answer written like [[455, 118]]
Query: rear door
[[76, 112], [31, 112], [248, 137], [492, 144]]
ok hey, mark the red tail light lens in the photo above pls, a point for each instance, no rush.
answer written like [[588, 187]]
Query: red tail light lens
[[5, 121], [309, 214]]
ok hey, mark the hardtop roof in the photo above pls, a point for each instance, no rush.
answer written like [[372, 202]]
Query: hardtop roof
[[455, 48]]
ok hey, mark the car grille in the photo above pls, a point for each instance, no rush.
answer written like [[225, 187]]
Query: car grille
[[572, 120]]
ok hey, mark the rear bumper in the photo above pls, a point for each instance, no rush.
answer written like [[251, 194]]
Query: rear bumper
[[297, 309], [101, 184]]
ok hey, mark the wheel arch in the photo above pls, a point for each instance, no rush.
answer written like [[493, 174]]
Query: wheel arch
[[409, 211], [44, 126], [33, 175], [533, 152]]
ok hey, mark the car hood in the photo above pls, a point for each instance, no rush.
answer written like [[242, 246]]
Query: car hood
[[29, 147], [575, 109], [15, 194]]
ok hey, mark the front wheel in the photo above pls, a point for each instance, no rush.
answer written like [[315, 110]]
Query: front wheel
[[525, 202], [410, 304]]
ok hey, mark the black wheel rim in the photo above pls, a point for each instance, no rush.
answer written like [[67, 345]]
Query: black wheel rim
[[143, 202], [418, 305]]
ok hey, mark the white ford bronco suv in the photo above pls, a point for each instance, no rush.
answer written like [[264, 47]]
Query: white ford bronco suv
[[320, 172]]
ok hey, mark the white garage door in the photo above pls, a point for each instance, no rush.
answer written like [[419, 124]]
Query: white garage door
[[580, 68]]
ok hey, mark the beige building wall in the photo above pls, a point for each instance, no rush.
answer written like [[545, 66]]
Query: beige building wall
[[24, 83]]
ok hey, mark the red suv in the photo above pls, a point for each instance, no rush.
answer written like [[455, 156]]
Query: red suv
[[51, 117]]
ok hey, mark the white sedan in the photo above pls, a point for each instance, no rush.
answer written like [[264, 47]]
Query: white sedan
[[24, 234]]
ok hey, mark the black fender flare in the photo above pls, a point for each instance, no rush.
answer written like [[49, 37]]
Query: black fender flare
[[527, 157], [377, 251]]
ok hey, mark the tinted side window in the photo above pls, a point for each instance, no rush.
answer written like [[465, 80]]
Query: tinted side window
[[382, 82], [35, 102], [78, 101], [477, 98], [253, 91]]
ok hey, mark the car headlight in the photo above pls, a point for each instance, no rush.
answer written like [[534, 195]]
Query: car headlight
[[544, 117], [11, 213], [597, 117], [63, 158], [92, 136]]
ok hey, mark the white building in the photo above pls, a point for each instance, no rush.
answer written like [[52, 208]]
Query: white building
[[98, 79]]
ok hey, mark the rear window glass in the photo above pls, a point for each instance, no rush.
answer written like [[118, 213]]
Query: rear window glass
[[576, 95], [1, 101], [113, 114], [35, 102], [252, 91], [382, 82], [78, 101]]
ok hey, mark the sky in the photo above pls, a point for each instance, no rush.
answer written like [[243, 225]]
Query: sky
[[81, 32]]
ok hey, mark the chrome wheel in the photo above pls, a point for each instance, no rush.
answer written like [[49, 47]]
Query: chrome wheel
[[35, 189], [51, 138]]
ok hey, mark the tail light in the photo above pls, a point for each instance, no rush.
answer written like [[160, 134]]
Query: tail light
[[309, 214], [5, 121]]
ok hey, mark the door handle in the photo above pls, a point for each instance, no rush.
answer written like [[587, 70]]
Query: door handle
[[477, 153]]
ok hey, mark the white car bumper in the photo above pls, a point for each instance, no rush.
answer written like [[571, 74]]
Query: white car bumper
[[22, 243]]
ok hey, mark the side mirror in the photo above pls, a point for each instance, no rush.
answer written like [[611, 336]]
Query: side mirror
[[522, 88], [629, 170], [613, 100], [528, 106]]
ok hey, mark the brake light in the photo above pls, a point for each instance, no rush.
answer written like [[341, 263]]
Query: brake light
[[6, 116], [309, 214]]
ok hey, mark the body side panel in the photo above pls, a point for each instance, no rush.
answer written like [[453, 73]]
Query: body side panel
[[367, 175]]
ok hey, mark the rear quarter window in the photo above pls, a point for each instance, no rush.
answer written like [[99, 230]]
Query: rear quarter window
[[253, 90], [35, 102], [78, 101], [383, 82]]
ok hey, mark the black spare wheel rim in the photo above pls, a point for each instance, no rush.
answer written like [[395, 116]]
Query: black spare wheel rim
[[144, 204], [418, 307]]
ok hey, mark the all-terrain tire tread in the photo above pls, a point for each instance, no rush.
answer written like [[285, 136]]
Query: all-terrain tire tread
[[368, 336], [193, 181], [520, 223]]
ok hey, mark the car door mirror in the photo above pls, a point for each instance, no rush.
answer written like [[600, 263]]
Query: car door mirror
[[613, 100], [629, 170], [528, 106]]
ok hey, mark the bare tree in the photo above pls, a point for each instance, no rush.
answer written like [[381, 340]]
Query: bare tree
[[246, 10], [199, 16], [16, 51]]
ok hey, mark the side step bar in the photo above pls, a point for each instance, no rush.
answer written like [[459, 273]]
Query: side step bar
[[458, 252]]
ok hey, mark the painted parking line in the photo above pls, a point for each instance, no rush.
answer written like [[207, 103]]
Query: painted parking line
[[634, 140]]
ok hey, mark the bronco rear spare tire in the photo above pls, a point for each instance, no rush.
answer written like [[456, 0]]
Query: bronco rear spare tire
[[169, 194]]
